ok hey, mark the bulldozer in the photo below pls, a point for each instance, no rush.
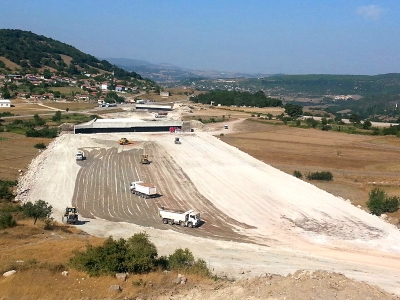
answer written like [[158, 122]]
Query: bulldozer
[[124, 141], [70, 216], [145, 159]]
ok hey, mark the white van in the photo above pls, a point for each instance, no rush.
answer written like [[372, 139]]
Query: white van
[[226, 126]]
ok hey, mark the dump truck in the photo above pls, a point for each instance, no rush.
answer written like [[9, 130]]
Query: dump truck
[[79, 156], [144, 190], [145, 159], [189, 218], [70, 216], [177, 141], [124, 141]]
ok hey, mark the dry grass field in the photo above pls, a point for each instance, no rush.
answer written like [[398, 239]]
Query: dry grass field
[[71, 105], [41, 255], [16, 153], [25, 107]]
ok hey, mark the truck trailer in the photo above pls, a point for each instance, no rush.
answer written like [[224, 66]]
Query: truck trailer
[[189, 218], [144, 190]]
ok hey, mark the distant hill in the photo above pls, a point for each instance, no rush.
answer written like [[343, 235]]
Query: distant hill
[[303, 86], [171, 75], [28, 51]]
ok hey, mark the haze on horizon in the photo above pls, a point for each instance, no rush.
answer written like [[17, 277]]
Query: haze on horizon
[[259, 36]]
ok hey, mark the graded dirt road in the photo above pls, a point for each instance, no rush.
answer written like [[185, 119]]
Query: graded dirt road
[[257, 219], [102, 190]]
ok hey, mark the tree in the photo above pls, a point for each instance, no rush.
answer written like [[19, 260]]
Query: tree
[[293, 110], [354, 118], [38, 210], [47, 74], [38, 120], [311, 122], [367, 125], [57, 116]]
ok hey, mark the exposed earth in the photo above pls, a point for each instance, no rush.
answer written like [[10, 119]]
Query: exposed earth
[[258, 220]]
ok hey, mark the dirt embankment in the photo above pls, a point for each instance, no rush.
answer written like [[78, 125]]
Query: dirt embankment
[[292, 225]]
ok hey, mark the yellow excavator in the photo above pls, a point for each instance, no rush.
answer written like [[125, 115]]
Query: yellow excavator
[[124, 141]]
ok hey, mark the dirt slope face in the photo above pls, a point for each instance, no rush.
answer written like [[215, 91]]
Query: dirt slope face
[[272, 201]]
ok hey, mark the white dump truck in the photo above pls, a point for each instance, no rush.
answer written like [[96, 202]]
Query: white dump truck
[[189, 218], [144, 190]]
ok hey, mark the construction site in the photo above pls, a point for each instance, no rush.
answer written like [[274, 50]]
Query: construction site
[[248, 217]]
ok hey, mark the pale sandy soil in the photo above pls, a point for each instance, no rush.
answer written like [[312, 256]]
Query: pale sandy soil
[[298, 226]]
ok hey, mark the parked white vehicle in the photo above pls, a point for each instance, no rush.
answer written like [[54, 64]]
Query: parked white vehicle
[[189, 218]]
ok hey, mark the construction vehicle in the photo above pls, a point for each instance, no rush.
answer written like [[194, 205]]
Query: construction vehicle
[[145, 159], [79, 156], [144, 190], [177, 141], [189, 218], [70, 216], [161, 115], [124, 141]]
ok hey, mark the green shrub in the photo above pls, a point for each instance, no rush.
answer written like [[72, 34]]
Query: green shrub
[[40, 146], [297, 174], [183, 260], [135, 255], [6, 114], [44, 132], [325, 175], [380, 203], [5, 190], [391, 204], [7, 220], [375, 202], [180, 259]]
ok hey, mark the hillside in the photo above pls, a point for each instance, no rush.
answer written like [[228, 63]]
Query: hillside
[[311, 85], [24, 51]]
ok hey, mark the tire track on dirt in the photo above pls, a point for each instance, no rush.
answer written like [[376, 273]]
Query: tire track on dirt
[[101, 191]]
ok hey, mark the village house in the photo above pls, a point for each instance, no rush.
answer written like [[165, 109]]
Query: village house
[[5, 103], [120, 88]]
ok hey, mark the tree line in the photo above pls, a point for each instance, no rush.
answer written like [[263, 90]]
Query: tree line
[[236, 98]]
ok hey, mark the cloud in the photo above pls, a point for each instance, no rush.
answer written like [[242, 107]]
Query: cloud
[[371, 12]]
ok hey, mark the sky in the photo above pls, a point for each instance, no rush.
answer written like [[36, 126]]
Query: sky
[[249, 36]]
